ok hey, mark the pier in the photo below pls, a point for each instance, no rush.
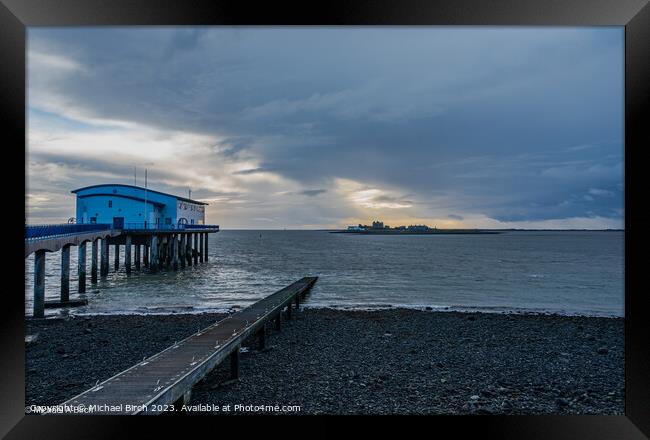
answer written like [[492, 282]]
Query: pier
[[163, 247], [168, 377]]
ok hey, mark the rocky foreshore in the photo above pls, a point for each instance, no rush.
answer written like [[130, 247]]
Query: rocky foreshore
[[326, 361]]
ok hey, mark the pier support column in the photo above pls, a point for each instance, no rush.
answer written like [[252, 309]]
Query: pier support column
[[297, 302], [234, 364], [288, 311], [181, 251], [65, 273], [206, 247], [93, 262], [174, 252], [103, 263], [162, 254], [137, 257], [195, 252], [127, 254], [153, 262], [145, 256], [188, 249], [169, 255], [39, 284], [117, 257], [201, 247], [81, 265]]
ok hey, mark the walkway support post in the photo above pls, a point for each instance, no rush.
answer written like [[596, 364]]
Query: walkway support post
[[195, 253], [278, 322], [205, 258], [261, 338], [174, 252], [127, 254], [145, 256], [153, 263], [65, 273], [201, 247], [234, 363], [182, 250], [103, 264], [93, 261], [117, 257], [81, 265], [39, 284], [137, 257], [188, 250]]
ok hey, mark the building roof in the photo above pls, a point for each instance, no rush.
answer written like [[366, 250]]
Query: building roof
[[124, 196], [185, 199]]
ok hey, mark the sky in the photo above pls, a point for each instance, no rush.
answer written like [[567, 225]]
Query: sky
[[324, 127]]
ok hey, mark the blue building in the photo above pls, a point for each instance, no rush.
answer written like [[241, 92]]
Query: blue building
[[136, 207]]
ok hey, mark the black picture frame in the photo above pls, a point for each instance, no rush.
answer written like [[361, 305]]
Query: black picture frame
[[16, 15]]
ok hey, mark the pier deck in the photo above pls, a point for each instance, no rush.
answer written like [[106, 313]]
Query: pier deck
[[168, 377]]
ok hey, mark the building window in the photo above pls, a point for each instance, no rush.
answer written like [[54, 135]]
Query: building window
[[110, 203], [93, 220]]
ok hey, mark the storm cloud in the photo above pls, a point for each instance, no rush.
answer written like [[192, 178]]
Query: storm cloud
[[322, 127]]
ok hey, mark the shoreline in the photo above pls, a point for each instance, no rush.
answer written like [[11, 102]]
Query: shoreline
[[498, 310], [369, 362]]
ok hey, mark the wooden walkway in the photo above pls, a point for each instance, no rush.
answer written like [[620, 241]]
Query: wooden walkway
[[167, 377]]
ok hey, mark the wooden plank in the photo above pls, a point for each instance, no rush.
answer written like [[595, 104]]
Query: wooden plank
[[166, 376]]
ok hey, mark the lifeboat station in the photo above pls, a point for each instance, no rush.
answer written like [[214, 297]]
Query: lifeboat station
[[153, 231]]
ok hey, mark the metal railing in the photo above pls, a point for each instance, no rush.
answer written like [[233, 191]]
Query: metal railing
[[158, 227], [37, 232], [201, 226]]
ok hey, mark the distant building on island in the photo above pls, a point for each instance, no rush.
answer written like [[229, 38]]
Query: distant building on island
[[119, 204], [379, 225]]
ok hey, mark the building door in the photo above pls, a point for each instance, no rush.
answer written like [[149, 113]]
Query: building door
[[118, 222]]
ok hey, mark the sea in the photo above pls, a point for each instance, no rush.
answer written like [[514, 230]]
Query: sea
[[562, 272]]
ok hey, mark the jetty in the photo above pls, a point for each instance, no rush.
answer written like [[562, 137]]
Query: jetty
[[154, 247], [163, 382]]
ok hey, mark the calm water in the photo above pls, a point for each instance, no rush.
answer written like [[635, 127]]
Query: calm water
[[563, 272]]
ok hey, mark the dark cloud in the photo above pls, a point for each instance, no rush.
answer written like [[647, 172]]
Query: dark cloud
[[510, 123], [313, 192]]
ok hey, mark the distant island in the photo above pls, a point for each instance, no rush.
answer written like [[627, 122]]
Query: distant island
[[378, 228]]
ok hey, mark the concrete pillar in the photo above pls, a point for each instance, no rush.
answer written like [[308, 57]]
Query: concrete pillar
[[234, 364], [161, 251], [137, 257], [81, 265], [195, 252], [181, 251], [65, 273], [297, 302], [153, 262], [201, 247], [117, 257], [39, 284], [175, 252], [145, 256], [205, 251], [103, 263], [288, 311], [93, 262], [188, 249], [127, 254], [170, 248]]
